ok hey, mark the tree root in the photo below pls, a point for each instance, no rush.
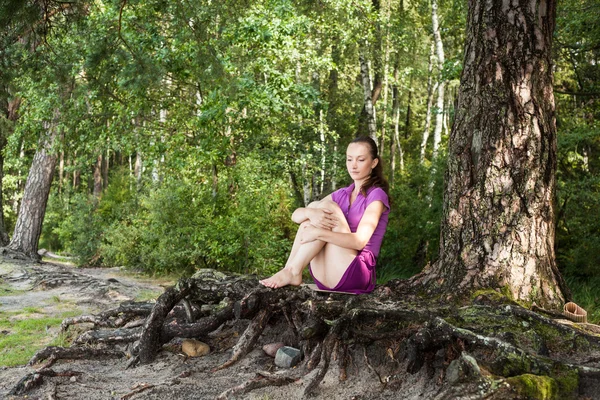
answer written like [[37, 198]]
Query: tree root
[[72, 353], [113, 318], [35, 379], [415, 332], [248, 338]]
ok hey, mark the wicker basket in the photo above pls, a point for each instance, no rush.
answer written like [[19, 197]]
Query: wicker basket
[[575, 313]]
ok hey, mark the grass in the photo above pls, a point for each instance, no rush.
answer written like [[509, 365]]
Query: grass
[[6, 290], [147, 294], [26, 336]]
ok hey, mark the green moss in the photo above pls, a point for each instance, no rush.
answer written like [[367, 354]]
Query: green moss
[[556, 340], [512, 364], [535, 387], [568, 383], [500, 295]]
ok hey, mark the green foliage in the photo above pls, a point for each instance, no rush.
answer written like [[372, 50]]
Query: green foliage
[[412, 237], [179, 226], [234, 109]]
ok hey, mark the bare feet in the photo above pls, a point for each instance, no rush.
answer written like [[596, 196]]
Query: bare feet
[[283, 278]]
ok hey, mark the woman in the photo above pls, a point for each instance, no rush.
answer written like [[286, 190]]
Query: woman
[[340, 236]]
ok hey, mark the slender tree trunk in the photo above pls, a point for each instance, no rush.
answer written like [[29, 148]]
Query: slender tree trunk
[[105, 167], [378, 69], [61, 171], [76, 173], [35, 197], [97, 189], [368, 103], [323, 152], [408, 110], [332, 97], [138, 168], [430, 91], [440, 58], [386, 61], [396, 117], [498, 223]]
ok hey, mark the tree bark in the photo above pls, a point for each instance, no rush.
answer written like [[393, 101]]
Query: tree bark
[[368, 102], [396, 117], [439, 52], [97, 191], [430, 90], [498, 222], [35, 197]]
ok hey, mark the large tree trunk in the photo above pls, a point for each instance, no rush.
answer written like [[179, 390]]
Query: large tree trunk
[[498, 225], [37, 188]]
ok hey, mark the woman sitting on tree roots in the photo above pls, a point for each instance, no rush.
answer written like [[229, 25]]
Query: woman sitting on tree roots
[[340, 236]]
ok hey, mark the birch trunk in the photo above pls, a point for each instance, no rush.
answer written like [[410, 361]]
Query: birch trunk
[[440, 58], [368, 103], [430, 91]]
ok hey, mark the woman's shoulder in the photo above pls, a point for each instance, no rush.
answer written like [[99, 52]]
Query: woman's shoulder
[[376, 193]]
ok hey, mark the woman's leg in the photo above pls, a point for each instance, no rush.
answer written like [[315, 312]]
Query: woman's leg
[[318, 253], [329, 265]]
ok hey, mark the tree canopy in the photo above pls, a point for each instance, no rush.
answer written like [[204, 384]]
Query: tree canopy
[[189, 131]]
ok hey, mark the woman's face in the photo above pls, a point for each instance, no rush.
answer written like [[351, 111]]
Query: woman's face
[[359, 161]]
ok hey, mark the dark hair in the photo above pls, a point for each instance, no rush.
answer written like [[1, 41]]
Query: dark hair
[[376, 179]]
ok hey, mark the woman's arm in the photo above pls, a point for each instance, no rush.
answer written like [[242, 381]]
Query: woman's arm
[[319, 217], [357, 240]]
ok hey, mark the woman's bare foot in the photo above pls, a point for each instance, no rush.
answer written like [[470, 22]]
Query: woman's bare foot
[[283, 278]]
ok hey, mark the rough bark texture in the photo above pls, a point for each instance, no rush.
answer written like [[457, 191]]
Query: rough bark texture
[[368, 100], [33, 205], [498, 224]]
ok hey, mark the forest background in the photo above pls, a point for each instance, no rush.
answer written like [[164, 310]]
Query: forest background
[[186, 133]]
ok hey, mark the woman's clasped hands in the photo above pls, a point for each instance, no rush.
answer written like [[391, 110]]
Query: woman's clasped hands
[[319, 218], [322, 218]]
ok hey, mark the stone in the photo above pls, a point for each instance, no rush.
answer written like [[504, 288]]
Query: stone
[[287, 357], [461, 368], [194, 348], [271, 348]]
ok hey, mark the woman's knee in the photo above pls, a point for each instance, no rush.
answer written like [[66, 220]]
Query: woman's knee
[[328, 204]]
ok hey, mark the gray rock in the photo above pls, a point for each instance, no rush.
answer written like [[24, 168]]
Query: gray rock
[[461, 368], [287, 357]]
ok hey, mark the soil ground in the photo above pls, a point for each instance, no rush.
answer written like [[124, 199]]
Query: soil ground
[[171, 375]]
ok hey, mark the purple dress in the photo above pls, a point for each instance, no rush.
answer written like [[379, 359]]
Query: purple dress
[[360, 275]]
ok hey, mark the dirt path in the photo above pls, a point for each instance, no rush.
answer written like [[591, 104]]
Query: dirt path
[[90, 289]]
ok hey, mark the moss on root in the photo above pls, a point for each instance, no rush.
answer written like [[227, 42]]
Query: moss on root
[[535, 386]]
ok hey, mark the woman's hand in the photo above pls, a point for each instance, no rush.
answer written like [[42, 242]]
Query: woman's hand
[[321, 218], [309, 233]]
